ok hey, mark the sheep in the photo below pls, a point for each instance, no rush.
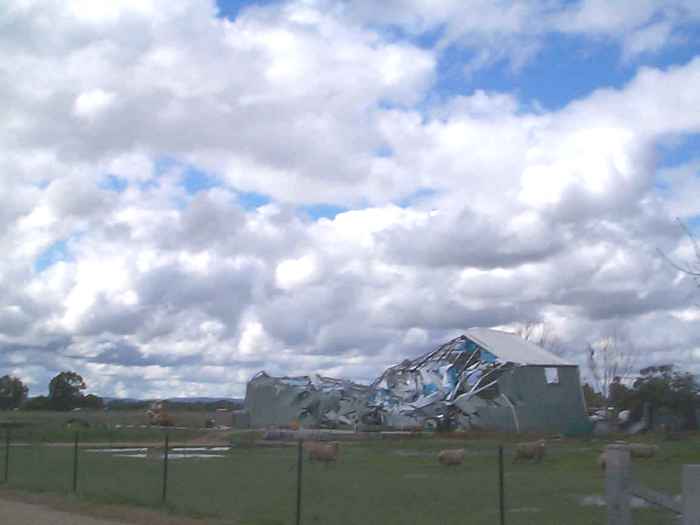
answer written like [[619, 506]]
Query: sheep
[[324, 452], [530, 450], [453, 456], [637, 451], [642, 450], [602, 460]]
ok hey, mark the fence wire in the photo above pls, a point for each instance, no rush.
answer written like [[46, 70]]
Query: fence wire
[[395, 481]]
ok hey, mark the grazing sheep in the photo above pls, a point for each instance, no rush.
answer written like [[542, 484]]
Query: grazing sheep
[[324, 452], [642, 450], [531, 450], [453, 456], [637, 451], [602, 460]]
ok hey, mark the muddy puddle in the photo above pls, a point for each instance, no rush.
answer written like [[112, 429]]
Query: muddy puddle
[[157, 452]]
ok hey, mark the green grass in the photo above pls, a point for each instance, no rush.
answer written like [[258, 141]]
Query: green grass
[[103, 426], [382, 482]]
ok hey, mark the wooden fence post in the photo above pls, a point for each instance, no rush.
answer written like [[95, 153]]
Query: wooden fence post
[[75, 463], [300, 465], [501, 496], [617, 484], [691, 494], [166, 446], [6, 478]]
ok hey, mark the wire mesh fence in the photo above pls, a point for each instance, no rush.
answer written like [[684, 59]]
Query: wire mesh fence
[[370, 482]]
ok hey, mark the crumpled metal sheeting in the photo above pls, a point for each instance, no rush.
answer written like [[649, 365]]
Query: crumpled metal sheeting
[[436, 387], [485, 379], [428, 387], [312, 400]]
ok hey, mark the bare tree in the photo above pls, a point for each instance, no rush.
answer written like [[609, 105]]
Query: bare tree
[[542, 334], [607, 360], [689, 267]]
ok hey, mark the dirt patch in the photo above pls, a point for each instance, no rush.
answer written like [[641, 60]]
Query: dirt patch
[[22, 508], [213, 438], [19, 513]]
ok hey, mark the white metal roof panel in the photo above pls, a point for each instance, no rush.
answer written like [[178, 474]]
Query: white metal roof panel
[[513, 348]]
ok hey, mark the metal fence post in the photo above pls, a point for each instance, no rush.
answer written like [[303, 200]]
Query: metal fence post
[[501, 497], [691, 495], [300, 463], [617, 484], [165, 467], [75, 463], [7, 455]]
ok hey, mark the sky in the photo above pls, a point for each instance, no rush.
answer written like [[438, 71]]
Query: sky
[[195, 191]]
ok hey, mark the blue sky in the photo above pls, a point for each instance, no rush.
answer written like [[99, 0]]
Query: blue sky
[[58, 251], [565, 68]]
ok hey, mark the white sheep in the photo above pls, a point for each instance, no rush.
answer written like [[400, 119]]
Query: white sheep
[[534, 450], [324, 452], [453, 456], [602, 460], [637, 451], [642, 450]]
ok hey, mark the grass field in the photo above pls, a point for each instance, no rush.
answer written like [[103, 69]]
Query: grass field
[[102, 426], [382, 482]]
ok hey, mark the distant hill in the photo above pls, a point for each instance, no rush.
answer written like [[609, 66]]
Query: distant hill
[[174, 400], [204, 399], [177, 403]]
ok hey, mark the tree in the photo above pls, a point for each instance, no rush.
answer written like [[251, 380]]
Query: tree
[[12, 392], [664, 387], [65, 391], [37, 403], [541, 334], [691, 268], [592, 398], [619, 394], [92, 402], [609, 362]]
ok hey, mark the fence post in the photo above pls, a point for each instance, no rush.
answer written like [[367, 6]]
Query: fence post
[[75, 463], [691, 494], [165, 467], [617, 484], [501, 499], [300, 464], [7, 455]]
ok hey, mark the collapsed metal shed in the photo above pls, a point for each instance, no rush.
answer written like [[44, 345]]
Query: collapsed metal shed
[[306, 400], [485, 379]]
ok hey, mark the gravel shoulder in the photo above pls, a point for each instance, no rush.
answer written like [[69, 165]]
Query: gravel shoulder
[[21, 508], [20, 513]]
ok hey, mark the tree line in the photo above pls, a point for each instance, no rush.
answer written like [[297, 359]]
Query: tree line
[[617, 384], [65, 393], [662, 388]]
